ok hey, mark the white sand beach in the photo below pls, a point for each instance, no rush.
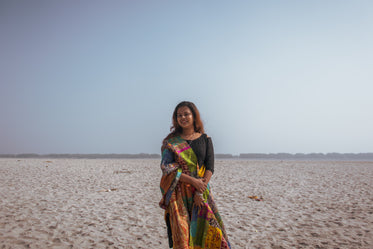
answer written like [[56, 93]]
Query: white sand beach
[[113, 203]]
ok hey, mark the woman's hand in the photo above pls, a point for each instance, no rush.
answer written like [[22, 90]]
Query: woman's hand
[[198, 200], [200, 185]]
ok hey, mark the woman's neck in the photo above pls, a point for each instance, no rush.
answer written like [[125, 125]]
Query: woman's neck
[[188, 132]]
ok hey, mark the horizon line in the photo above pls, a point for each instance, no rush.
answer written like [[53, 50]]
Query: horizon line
[[333, 155]]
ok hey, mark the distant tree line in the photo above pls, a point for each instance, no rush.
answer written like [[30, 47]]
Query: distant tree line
[[280, 156], [327, 156], [85, 156]]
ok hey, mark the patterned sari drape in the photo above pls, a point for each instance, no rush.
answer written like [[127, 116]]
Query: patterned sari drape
[[189, 226]]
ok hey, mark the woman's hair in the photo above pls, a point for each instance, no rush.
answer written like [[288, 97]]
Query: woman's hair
[[176, 129]]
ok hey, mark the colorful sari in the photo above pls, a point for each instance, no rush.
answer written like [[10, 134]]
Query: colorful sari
[[188, 226]]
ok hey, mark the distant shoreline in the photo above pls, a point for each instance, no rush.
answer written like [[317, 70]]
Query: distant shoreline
[[82, 156], [248, 156], [302, 156]]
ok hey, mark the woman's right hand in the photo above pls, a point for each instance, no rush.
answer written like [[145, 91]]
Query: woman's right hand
[[198, 200], [200, 185]]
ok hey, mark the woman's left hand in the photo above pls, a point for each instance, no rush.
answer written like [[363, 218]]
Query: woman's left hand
[[199, 185]]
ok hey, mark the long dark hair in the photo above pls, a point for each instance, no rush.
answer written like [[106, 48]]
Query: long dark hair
[[176, 129]]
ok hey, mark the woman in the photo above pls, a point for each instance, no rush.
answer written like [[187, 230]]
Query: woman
[[192, 218]]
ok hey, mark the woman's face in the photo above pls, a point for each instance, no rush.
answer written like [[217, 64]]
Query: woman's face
[[185, 117]]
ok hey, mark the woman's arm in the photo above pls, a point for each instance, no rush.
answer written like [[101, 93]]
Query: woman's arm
[[168, 165], [206, 178], [198, 184], [209, 160]]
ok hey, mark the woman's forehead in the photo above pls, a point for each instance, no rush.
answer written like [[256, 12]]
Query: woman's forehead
[[183, 109]]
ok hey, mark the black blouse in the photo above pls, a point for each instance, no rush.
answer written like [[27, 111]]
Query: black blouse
[[204, 151]]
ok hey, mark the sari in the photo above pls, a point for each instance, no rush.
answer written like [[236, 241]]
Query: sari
[[188, 226]]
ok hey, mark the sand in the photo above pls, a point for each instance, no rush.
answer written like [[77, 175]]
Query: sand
[[103, 203]]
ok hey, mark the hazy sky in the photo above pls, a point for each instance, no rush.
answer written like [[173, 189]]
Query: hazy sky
[[105, 76]]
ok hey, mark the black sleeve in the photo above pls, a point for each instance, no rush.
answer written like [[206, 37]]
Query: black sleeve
[[209, 159]]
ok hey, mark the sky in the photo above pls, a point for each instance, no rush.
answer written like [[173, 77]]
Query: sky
[[105, 76]]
